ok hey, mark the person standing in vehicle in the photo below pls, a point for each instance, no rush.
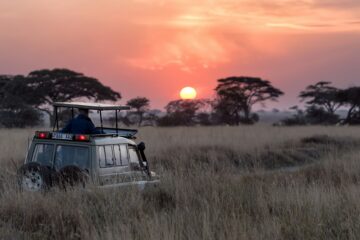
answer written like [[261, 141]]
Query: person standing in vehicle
[[81, 124]]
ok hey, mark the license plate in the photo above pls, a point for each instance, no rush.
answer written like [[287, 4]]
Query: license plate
[[62, 136]]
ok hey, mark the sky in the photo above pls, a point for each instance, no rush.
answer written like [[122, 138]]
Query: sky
[[154, 48]]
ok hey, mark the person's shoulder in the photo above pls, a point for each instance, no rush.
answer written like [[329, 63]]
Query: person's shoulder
[[81, 116]]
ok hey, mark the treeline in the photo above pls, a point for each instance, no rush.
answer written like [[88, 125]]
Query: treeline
[[25, 99], [322, 102], [235, 97], [233, 104]]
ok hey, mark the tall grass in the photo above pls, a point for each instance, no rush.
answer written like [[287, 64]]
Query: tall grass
[[253, 182]]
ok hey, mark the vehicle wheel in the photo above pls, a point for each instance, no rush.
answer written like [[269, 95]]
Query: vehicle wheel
[[34, 178], [73, 176]]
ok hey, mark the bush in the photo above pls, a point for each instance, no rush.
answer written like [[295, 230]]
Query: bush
[[318, 115], [312, 116]]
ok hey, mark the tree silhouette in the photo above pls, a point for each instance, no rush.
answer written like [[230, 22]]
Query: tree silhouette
[[322, 94], [237, 95], [182, 112], [41, 88], [4, 79], [351, 98], [141, 105], [14, 110]]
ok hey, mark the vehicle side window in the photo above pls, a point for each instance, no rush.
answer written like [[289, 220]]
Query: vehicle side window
[[113, 155], [134, 157], [117, 155], [101, 151], [109, 156], [43, 154], [121, 155], [124, 155]]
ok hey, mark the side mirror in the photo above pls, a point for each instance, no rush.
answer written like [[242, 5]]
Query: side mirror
[[141, 146]]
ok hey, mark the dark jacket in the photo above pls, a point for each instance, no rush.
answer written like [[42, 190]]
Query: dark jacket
[[80, 125]]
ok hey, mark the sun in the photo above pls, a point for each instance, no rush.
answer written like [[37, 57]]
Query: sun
[[188, 93]]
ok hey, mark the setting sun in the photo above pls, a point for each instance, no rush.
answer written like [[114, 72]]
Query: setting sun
[[188, 93]]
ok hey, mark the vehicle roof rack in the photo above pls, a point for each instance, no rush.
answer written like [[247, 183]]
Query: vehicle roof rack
[[90, 106]]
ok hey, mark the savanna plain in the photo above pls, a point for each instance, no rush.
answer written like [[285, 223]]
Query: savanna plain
[[247, 182]]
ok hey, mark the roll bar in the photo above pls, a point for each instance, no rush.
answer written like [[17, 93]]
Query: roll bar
[[91, 106]]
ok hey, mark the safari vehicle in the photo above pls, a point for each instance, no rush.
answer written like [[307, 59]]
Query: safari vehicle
[[109, 159]]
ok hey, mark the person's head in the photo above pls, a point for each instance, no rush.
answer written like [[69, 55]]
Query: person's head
[[84, 111]]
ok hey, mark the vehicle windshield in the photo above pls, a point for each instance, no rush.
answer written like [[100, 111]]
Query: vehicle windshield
[[43, 154], [72, 156]]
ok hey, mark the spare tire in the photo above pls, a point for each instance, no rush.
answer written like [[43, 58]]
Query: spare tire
[[72, 176], [33, 177]]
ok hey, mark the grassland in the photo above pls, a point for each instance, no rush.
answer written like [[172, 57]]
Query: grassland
[[253, 182]]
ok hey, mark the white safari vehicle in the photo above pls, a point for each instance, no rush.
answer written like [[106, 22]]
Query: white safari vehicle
[[110, 159]]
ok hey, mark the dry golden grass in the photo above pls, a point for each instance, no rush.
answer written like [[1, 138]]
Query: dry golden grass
[[251, 182]]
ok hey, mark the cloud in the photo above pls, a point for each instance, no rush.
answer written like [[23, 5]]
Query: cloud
[[343, 4], [187, 50], [193, 35], [188, 34]]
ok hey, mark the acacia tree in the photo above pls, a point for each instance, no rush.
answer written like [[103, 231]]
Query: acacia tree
[[322, 94], [41, 88], [237, 95], [141, 105], [351, 98], [182, 112]]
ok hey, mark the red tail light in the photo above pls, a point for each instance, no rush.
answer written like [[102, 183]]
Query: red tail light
[[42, 135], [82, 137]]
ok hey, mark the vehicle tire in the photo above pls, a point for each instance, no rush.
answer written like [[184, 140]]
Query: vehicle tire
[[33, 177], [72, 176]]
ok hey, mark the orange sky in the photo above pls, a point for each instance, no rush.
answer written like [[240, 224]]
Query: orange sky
[[154, 48]]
